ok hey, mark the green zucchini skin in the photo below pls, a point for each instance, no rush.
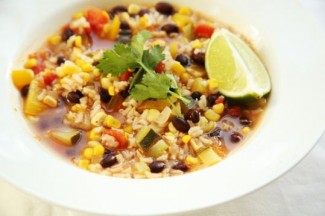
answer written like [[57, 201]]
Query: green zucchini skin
[[149, 139]]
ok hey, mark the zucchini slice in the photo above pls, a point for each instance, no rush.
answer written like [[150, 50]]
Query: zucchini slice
[[65, 137], [146, 137]]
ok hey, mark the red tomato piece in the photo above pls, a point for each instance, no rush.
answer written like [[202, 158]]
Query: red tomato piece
[[49, 78], [38, 68], [160, 67], [220, 99], [119, 136], [125, 76], [234, 111], [97, 19], [203, 31]]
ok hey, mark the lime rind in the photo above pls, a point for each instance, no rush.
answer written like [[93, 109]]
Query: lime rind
[[246, 77]]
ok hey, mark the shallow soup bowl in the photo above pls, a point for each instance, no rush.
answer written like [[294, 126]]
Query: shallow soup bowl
[[288, 41]]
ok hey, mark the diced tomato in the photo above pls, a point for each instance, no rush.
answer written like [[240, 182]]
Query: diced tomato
[[234, 111], [125, 76], [97, 19], [220, 99], [160, 67], [38, 68], [49, 78], [203, 31], [119, 136]]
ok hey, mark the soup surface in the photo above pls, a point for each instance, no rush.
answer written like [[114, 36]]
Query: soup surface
[[124, 92]]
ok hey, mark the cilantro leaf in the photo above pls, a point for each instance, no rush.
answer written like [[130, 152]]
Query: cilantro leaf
[[137, 43], [152, 85], [117, 60], [153, 56]]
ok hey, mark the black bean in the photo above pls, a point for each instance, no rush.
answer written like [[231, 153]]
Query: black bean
[[170, 28], [74, 97], [60, 60], [109, 152], [181, 124], [157, 166], [117, 9], [143, 11], [104, 96], [193, 115], [67, 33], [108, 160], [183, 59], [125, 25], [217, 132], [196, 95], [235, 137], [245, 121], [164, 8], [198, 58], [212, 99], [180, 166], [24, 91]]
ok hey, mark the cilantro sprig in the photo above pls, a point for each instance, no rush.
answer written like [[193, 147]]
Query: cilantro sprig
[[146, 83]]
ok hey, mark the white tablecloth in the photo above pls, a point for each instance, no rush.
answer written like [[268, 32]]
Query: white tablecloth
[[300, 192]]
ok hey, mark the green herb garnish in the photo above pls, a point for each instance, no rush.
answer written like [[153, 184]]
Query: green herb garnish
[[146, 84]]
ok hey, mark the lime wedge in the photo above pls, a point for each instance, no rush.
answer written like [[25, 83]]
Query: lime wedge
[[239, 72]]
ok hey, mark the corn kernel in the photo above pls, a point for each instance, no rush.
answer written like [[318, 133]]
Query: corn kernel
[[114, 28], [112, 122], [77, 15], [86, 67], [211, 115], [173, 49], [50, 101], [94, 135], [76, 108], [134, 9], [218, 108], [185, 11], [67, 69], [83, 163], [171, 128], [105, 14], [196, 44], [152, 115], [181, 20], [93, 143], [54, 40], [143, 22], [111, 91], [213, 86], [98, 119], [88, 153], [98, 150], [78, 41], [30, 63], [21, 78], [105, 82], [169, 134], [128, 129], [198, 85], [185, 77], [96, 72], [192, 160], [177, 68], [85, 76], [246, 130], [186, 138]]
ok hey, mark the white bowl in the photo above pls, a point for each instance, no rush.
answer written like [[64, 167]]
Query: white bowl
[[288, 41]]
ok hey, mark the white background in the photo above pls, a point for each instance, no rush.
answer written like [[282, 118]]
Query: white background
[[301, 192]]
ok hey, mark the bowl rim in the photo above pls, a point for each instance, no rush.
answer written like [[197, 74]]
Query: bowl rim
[[12, 172]]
